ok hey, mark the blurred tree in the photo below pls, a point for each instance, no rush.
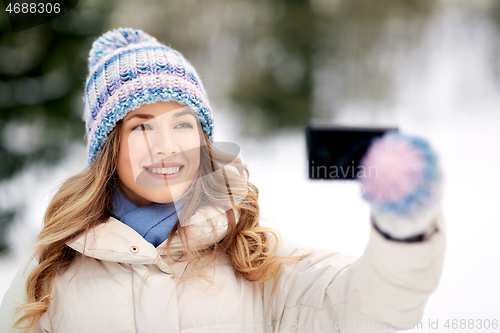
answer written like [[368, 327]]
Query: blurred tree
[[42, 71], [314, 56], [495, 15], [276, 76], [5, 219]]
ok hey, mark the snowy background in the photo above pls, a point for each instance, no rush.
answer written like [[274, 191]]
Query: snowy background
[[446, 92]]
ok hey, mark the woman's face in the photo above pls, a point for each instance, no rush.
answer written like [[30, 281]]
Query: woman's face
[[159, 152]]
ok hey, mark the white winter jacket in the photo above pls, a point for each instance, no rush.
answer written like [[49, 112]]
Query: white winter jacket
[[384, 290]]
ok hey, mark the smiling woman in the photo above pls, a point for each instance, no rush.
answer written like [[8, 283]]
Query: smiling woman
[[161, 232], [151, 150]]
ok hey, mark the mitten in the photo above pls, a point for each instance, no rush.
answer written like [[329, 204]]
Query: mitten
[[403, 184]]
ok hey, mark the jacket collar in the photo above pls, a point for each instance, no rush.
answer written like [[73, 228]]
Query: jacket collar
[[116, 242]]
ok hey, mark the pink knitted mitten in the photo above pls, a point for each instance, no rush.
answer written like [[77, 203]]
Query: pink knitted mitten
[[403, 185]]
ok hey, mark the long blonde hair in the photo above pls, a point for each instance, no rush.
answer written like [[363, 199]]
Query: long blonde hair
[[85, 200]]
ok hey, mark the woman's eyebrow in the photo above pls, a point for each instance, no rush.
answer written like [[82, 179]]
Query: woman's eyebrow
[[182, 113], [145, 116]]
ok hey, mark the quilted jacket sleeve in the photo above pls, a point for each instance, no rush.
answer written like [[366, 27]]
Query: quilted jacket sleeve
[[384, 290]]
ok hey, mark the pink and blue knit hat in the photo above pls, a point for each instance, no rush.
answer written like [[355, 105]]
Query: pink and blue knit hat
[[129, 68]]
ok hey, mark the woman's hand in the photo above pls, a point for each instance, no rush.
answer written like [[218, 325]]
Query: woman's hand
[[403, 184]]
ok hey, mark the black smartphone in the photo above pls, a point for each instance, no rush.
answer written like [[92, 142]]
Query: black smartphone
[[334, 152]]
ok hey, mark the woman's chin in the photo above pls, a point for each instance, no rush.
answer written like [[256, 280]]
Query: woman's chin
[[163, 196]]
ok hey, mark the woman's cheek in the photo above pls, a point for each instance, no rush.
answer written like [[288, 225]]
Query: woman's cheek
[[194, 159], [136, 154]]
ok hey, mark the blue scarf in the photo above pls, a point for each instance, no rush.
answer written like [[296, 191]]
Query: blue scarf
[[153, 222]]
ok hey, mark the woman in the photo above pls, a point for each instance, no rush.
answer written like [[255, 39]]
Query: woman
[[160, 233]]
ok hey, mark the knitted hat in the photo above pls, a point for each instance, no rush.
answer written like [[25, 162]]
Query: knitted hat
[[129, 68]]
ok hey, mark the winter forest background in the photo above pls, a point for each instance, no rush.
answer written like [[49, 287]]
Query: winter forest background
[[432, 68]]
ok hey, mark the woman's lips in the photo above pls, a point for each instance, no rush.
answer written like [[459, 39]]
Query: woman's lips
[[163, 164], [164, 176]]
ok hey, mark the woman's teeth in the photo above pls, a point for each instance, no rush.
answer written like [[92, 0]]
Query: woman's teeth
[[165, 171]]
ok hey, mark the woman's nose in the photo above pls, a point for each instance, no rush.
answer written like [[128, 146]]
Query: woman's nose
[[164, 144]]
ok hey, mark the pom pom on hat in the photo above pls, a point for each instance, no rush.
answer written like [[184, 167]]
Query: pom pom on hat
[[114, 40]]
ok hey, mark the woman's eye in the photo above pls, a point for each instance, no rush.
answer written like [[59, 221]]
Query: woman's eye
[[139, 127], [185, 125]]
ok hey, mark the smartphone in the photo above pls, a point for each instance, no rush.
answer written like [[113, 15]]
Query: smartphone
[[334, 152]]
